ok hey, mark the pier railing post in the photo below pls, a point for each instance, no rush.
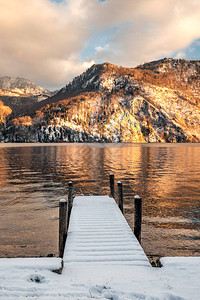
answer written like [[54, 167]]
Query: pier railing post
[[112, 185], [120, 196], [138, 217], [63, 214], [70, 199]]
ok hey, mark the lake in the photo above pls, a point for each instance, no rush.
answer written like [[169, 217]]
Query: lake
[[33, 177]]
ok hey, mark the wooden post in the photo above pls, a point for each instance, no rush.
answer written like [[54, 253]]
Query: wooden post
[[120, 196], [112, 186], [70, 199], [63, 207], [138, 217]]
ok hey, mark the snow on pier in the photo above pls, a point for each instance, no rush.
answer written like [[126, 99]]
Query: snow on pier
[[99, 233], [103, 255], [104, 260]]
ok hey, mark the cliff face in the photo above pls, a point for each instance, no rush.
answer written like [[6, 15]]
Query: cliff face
[[155, 102]]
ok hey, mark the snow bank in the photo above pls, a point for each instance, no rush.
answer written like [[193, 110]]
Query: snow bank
[[27, 278], [181, 275], [31, 263], [32, 278]]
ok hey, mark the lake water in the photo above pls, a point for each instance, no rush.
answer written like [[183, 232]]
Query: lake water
[[33, 177]]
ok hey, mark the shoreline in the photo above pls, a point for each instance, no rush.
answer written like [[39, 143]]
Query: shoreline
[[35, 278]]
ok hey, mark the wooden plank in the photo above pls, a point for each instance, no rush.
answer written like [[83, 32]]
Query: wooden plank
[[99, 233]]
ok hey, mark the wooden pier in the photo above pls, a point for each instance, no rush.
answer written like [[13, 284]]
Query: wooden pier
[[99, 234], [100, 247]]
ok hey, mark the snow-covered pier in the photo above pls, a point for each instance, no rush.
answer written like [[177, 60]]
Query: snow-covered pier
[[99, 234], [104, 260]]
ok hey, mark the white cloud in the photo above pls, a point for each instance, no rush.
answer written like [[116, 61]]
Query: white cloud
[[103, 51], [88, 64], [151, 28], [180, 54], [42, 40]]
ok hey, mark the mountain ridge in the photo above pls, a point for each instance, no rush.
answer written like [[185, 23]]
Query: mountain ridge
[[20, 93], [88, 80], [22, 86], [155, 102]]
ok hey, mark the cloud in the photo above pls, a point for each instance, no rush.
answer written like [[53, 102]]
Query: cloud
[[148, 29], [181, 55], [43, 40]]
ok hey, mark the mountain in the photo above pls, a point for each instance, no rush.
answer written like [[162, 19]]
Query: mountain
[[20, 93], [21, 87], [158, 101]]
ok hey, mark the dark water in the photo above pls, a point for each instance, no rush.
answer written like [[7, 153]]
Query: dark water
[[34, 177]]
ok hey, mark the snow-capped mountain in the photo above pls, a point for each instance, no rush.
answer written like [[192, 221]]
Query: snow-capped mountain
[[20, 87], [155, 102], [20, 93]]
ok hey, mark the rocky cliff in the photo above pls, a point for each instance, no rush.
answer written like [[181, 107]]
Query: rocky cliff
[[155, 102]]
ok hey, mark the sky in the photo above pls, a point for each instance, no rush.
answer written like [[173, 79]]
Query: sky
[[51, 41]]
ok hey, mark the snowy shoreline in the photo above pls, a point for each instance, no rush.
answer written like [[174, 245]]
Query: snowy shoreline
[[33, 278]]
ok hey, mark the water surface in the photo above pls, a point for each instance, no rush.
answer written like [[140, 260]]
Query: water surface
[[33, 177]]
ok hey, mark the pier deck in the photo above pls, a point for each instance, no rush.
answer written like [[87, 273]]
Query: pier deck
[[101, 250], [99, 233]]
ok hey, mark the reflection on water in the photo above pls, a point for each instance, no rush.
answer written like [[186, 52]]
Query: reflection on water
[[34, 177]]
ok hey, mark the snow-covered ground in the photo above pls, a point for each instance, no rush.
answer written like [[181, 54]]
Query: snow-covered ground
[[32, 278], [102, 260]]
